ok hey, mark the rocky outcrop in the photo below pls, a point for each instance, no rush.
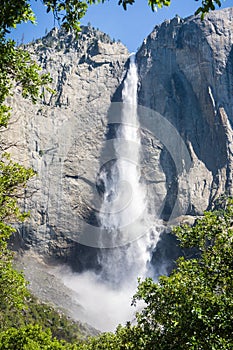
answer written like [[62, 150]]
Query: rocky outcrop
[[186, 72], [185, 95]]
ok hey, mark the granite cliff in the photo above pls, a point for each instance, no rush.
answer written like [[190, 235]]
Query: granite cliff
[[186, 78], [62, 136], [186, 72]]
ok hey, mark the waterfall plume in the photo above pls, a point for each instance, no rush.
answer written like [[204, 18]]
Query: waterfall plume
[[124, 220], [124, 209]]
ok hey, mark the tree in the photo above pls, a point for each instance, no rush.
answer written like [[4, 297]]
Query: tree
[[12, 284], [16, 69], [31, 338], [192, 308]]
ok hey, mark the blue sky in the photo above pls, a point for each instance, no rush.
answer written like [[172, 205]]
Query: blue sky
[[130, 26]]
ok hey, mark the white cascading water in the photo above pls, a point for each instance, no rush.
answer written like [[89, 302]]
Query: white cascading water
[[106, 296], [124, 209], [124, 197]]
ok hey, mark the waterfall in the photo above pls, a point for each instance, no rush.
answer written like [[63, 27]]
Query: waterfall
[[124, 197], [124, 209], [105, 294]]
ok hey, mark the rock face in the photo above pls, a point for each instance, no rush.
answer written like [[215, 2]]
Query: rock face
[[186, 75], [186, 97], [62, 137]]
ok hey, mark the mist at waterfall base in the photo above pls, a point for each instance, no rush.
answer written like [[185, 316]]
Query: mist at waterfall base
[[105, 295]]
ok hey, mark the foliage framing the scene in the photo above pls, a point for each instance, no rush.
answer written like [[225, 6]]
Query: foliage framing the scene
[[190, 309]]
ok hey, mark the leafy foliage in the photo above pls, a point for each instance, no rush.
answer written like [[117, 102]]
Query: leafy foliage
[[14, 12], [207, 5], [12, 284], [193, 307], [12, 176], [17, 69], [31, 338], [36, 313]]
